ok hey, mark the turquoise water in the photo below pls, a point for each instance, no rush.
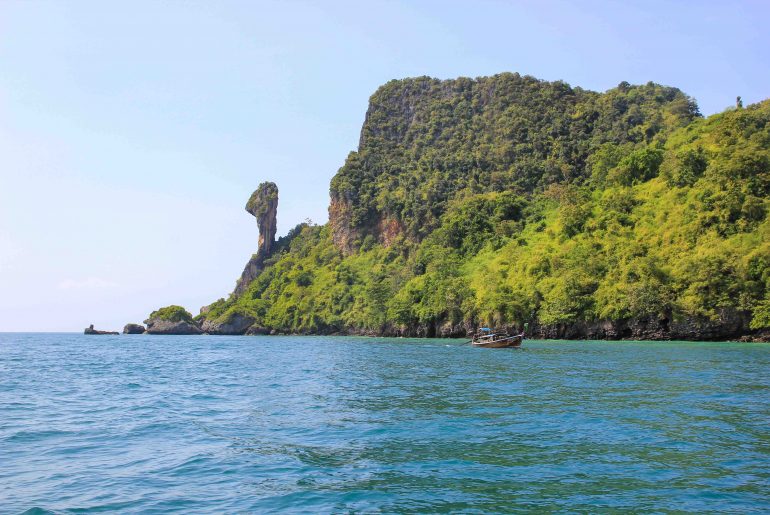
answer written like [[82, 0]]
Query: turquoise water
[[321, 424]]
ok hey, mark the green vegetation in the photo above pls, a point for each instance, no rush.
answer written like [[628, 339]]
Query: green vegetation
[[519, 200], [427, 141], [262, 198], [172, 314]]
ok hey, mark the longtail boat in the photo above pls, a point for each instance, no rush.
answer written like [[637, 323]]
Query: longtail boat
[[486, 337]]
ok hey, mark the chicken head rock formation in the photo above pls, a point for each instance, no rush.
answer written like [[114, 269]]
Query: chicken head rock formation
[[263, 205]]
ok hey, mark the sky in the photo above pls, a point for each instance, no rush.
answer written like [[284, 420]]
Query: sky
[[132, 133]]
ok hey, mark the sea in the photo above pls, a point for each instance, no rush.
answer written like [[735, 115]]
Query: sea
[[290, 424]]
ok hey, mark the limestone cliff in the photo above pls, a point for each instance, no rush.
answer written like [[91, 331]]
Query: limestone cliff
[[425, 140], [263, 205]]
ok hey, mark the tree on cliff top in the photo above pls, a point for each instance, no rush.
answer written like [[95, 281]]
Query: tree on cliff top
[[263, 197]]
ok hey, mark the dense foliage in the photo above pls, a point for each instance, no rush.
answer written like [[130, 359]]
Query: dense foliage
[[425, 141], [172, 313], [545, 203], [260, 201]]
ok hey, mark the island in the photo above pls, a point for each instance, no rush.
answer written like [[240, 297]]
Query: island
[[505, 200]]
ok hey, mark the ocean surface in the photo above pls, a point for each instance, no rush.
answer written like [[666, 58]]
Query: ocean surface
[[214, 424]]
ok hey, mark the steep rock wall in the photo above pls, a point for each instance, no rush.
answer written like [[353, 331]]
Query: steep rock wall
[[263, 205], [424, 141]]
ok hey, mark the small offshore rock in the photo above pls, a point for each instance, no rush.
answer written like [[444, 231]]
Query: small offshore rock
[[156, 326], [133, 329], [172, 320], [90, 330]]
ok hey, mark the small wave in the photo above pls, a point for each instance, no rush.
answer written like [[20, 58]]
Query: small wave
[[31, 436]]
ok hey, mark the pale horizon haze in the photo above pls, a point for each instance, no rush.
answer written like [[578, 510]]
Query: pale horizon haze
[[132, 133]]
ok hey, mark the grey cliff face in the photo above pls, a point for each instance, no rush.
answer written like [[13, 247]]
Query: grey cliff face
[[159, 326], [263, 204]]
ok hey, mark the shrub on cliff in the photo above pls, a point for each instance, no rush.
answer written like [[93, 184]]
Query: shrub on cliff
[[172, 313]]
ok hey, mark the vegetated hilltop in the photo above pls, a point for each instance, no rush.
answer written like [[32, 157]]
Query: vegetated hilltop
[[505, 199]]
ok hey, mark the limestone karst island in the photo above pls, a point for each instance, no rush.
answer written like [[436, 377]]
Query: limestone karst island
[[507, 200], [393, 256]]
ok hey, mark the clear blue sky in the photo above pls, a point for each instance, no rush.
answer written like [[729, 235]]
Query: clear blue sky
[[132, 133]]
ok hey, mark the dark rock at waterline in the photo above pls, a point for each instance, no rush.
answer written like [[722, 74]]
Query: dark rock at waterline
[[256, 330], [235, 324], [761, 336], [729, 324], [160, 326], [90, 330], [133, 329]]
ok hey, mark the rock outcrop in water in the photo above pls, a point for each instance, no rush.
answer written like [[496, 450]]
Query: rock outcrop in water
[[133, 329], [172, 320], [236, 323], [90, 330]]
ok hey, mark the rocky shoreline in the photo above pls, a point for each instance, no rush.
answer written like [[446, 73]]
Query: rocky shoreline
[[732, 326], [729, 324]]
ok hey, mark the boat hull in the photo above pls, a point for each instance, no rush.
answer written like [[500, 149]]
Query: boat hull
[[511, 341]]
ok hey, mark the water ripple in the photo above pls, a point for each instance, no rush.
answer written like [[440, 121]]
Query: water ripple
[[141, 424]]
